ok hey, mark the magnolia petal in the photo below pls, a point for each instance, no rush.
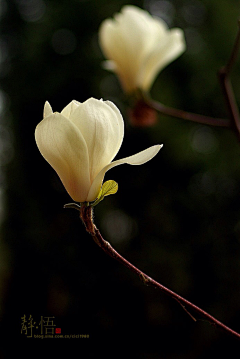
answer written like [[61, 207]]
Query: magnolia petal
[[101, 125], [159, 30], [64, 148], [68, 110], [111, 41], [47, 111], [168, 49], [109, 65], [114, 48], [137, 159], [145, 31], [125, 34], [133, 24], [121, 38]]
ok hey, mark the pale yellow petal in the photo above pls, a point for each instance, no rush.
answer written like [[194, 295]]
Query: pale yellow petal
[[101, 125], [115, 49], [64, 148], [137, 159], [68, 110], [167, 50], [47, 111], [125, 40]]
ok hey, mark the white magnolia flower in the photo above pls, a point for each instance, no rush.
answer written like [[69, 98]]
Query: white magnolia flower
[[81, 142], [138, 46]]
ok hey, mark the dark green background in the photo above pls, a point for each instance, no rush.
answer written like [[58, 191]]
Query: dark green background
[[177, 217]]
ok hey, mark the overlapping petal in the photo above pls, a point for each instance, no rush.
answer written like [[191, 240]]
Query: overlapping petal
[[70, 108], [165, 52], [137, 159], [47, 111], [101, 126], [64, 148]]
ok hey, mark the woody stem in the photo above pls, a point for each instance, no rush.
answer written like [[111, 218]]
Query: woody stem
[[189, 116], [86, 215], [226, 85]]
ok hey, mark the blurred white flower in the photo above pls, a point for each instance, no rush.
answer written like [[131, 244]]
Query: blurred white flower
[[138, 46], [81, 142]]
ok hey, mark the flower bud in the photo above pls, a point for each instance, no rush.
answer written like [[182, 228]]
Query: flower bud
[[80, 143], [138, 46]]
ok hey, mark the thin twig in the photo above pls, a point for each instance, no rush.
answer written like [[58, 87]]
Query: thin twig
[[173, 112], [87, 218], [224, 74], [235, 51]]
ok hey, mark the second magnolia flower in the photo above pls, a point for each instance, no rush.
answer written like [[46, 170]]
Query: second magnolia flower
[[138, 46], [80, 143]]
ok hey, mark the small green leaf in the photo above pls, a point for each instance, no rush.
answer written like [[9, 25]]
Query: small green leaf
[[108, 187]]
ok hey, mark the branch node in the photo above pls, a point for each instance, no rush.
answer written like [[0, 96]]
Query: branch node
[[145, 279]]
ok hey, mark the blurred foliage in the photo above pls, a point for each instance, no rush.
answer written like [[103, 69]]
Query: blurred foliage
[[177, 217]]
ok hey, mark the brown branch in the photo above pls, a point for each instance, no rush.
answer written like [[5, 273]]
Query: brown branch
[[173, 112], [86, 215], [226, 85]]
